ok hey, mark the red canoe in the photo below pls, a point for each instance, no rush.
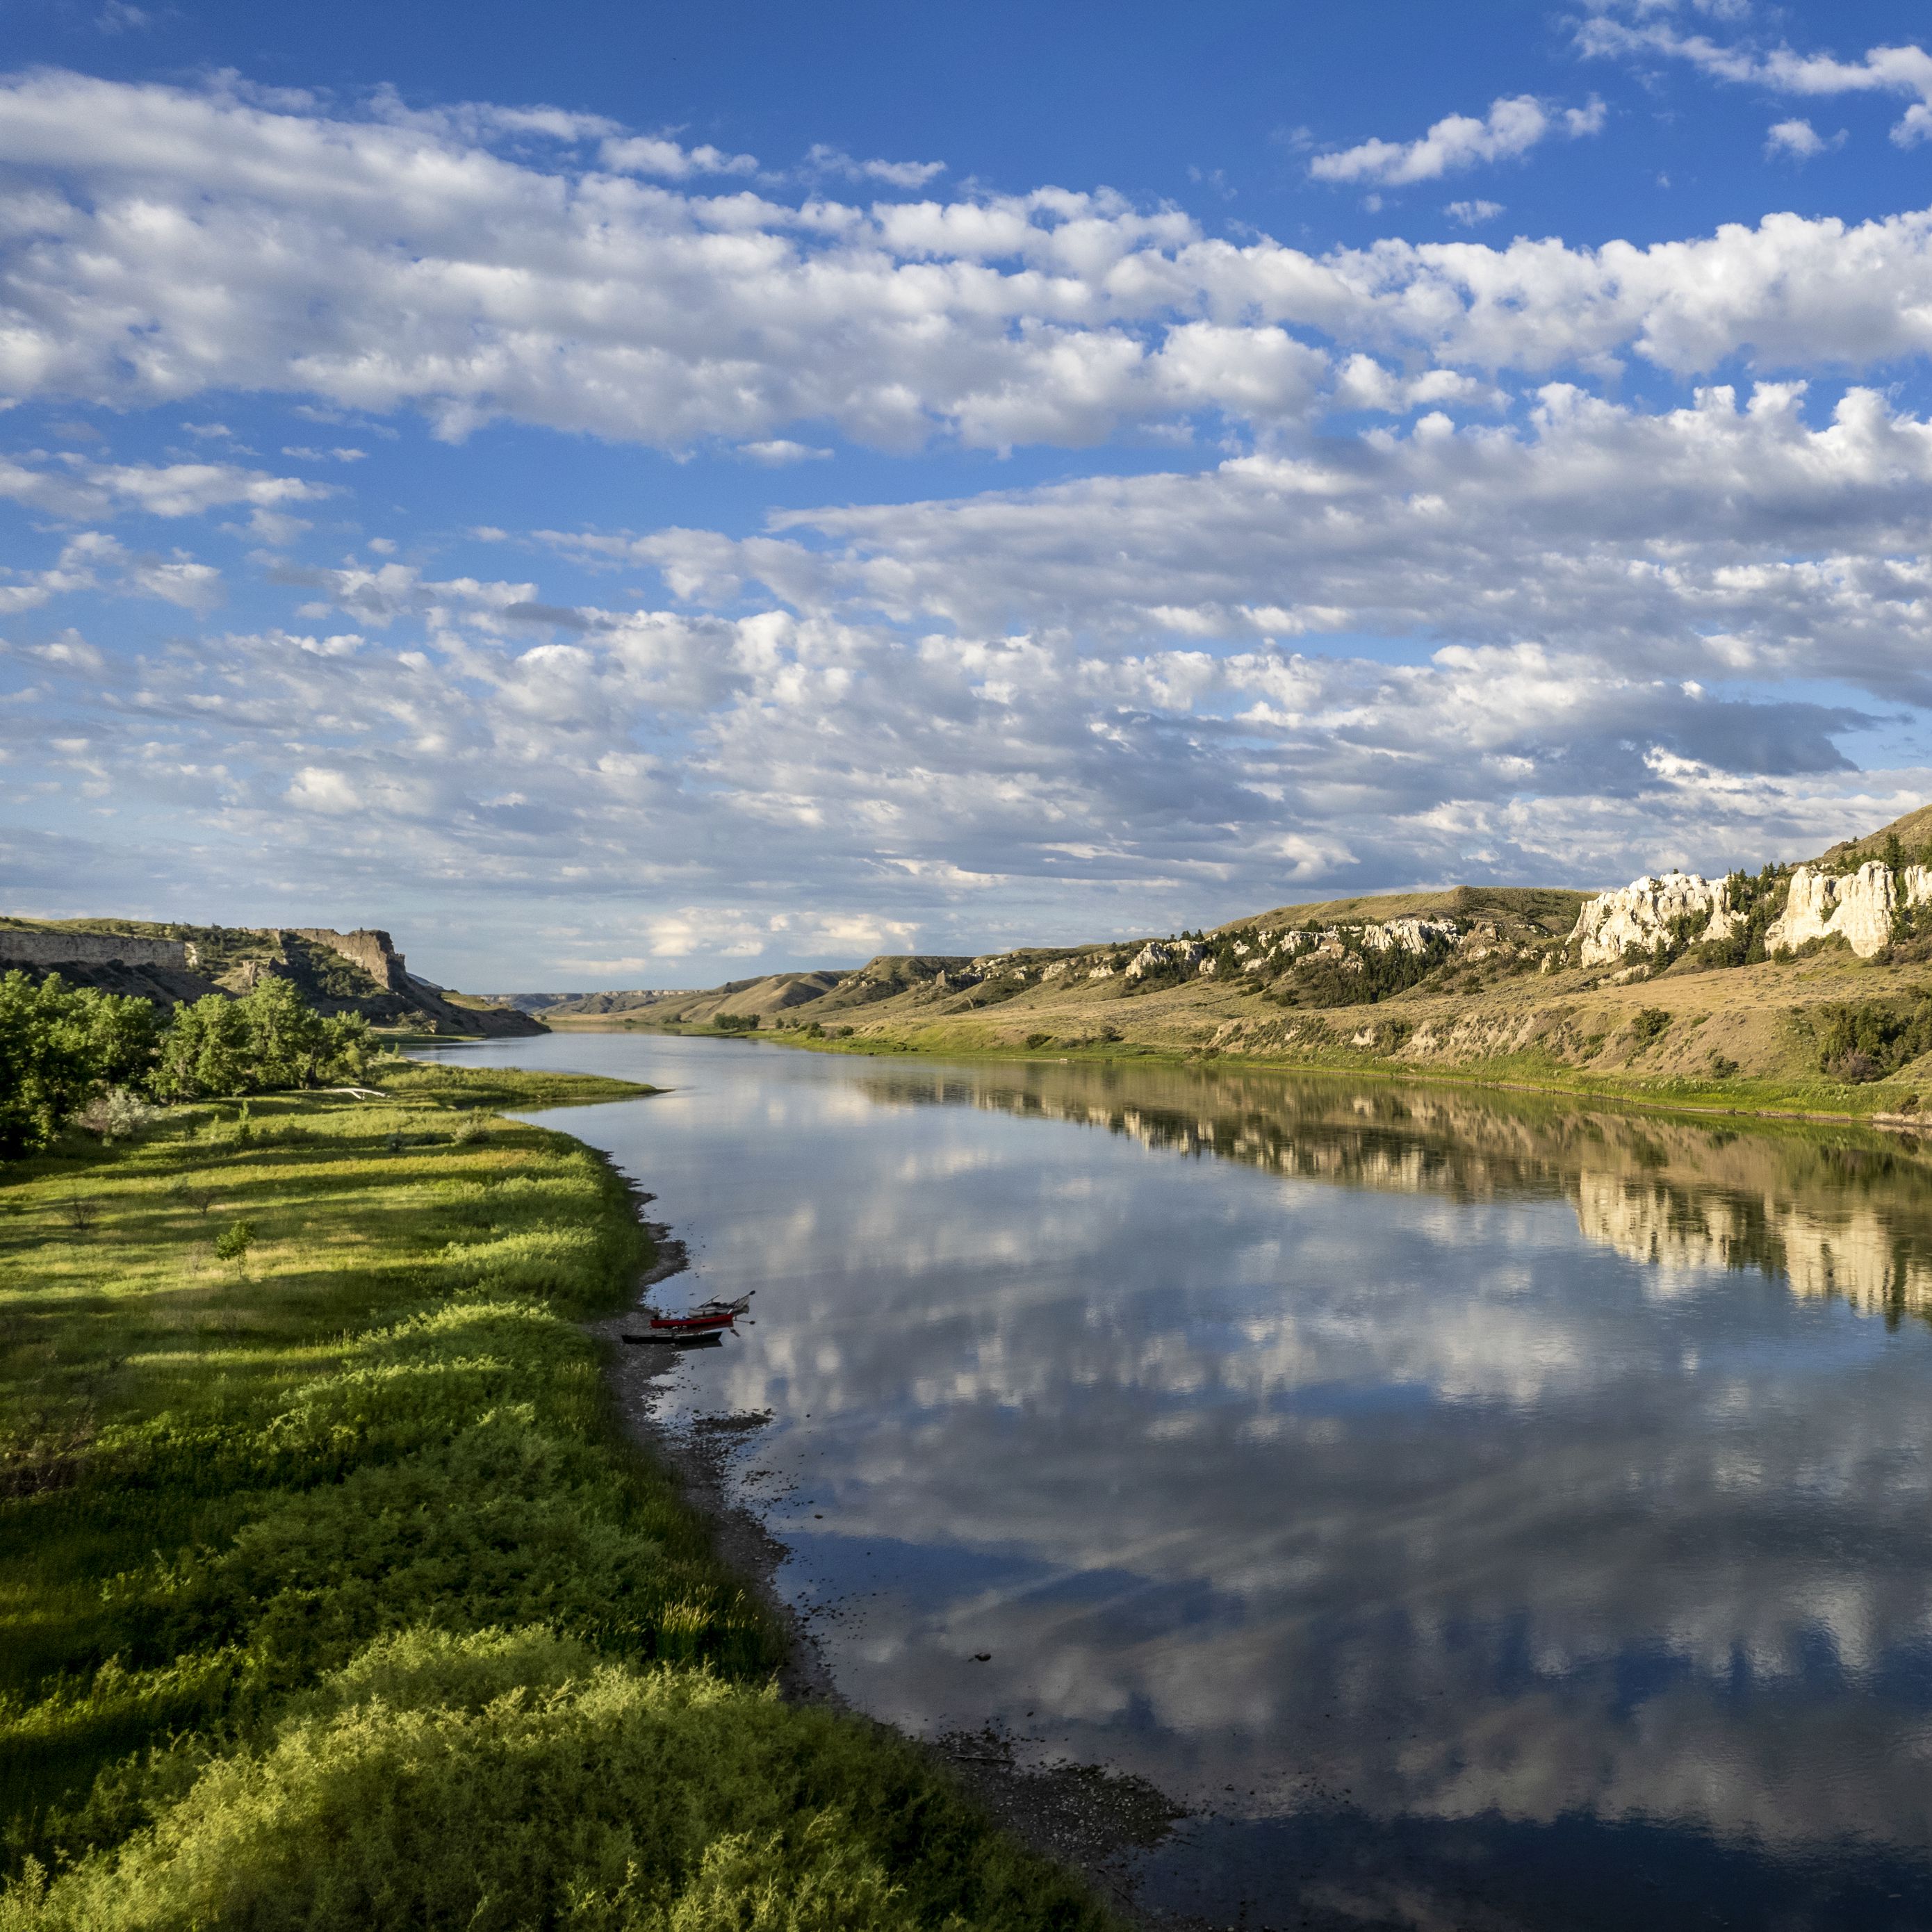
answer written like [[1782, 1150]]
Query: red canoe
[[708, 1318]]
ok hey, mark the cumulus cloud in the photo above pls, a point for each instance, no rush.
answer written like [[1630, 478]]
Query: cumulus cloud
[[779, 450], [384, 263], [657, 155], [1473, 214], [1512, 127], [1132, 700], [1734, 536]]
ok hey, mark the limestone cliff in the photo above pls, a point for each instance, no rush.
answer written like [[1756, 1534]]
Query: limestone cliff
[[1648, 913], [1858, 908], [358, 972]]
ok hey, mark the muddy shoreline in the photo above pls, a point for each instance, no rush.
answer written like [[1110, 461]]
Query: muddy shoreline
[[1092, 1820]]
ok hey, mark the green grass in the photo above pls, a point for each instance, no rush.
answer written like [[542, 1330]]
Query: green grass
[[331, 1595]]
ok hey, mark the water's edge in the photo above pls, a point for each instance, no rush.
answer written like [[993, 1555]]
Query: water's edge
[[1094, 1820]]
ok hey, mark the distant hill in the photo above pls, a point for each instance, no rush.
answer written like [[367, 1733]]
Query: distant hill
[[1678, 980], [167, 963]]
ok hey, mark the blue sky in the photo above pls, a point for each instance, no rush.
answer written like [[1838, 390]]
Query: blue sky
[[635, 496]]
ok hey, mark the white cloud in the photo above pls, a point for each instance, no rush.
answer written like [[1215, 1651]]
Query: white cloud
[[412, 270], [95, 561], [68, 485], [1799, 139], [821, 159], [1512, 127], [657, 155], [1472, 214], [1125, 700], [779, 450], [1896, 71]]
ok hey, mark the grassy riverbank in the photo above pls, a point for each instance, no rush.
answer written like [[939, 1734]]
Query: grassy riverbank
[[1793, 1097], [331, 1595]]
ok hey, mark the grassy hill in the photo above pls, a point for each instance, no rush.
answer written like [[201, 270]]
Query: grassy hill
[[1504, 999]]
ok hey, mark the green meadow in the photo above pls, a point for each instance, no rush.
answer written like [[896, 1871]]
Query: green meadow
[[333, 1596]]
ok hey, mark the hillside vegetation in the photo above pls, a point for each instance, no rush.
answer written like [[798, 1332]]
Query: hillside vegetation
[[332, 1598], [1483, 982]]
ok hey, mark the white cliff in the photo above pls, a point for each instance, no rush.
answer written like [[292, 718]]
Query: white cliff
[[1157, 953], [1856, 906], [1642, 913]]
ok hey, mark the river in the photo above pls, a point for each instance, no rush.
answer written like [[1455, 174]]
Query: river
[[1476, 1511]]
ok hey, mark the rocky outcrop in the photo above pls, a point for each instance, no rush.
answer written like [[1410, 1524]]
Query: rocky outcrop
[[1647, 913], [1410, 935], [29, 946], [1158, 953], [1858, 908], [368, 948]]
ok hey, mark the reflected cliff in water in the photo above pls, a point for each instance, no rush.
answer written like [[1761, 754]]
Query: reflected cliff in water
[[1845, 1213], [1483, 1514]]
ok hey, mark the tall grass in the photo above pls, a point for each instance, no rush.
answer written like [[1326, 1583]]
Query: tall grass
[[331, 1597]]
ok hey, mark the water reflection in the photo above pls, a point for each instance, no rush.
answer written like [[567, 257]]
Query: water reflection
[[1476, 1506], [1847, 1215]]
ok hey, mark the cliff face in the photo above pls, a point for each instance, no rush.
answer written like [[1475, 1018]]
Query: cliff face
[[358, 972], [1856, 906], [368, 948], [26, 946], [1643, 914]]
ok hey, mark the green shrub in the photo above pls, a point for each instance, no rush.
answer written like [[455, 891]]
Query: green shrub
[[234, 1241], [736, 1022], [1866, 1039], [518, 1779], [1650, 1025]]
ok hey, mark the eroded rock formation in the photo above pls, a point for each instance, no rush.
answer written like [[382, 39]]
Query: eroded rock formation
[[1647, 913], [1858, 908]]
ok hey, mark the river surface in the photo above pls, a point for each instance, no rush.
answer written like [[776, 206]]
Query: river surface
[[1479, 1513]]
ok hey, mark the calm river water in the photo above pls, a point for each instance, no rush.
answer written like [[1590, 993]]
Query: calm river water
[[1480, 1512]]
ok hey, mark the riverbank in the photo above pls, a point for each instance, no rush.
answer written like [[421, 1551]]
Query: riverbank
[[1892, 1106], [333, 1593]]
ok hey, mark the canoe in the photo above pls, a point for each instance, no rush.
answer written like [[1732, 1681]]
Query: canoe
[[708, 1318]]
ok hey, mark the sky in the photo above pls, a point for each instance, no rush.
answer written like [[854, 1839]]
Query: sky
[[637, 495]]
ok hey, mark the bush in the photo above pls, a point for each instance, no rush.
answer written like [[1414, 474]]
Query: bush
[[1867, 1040], [117, 1114], [736, 1022], [1650, 1025], [1035, 1041], [234, 1241], [517, 1778]]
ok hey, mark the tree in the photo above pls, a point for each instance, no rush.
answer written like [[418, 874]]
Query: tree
[[204, 1051], [268, 1040], [288, 1040], [60, 1046]]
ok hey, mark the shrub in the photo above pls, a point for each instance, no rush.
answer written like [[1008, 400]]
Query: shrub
[[736, 1022], [1866, 1039], [1650, 1025], [234, 1241], [117, 1114], [1035, 1041]]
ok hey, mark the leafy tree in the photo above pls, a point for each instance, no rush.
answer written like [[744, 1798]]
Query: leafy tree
[[269, 1039], [204, 1051], [233, 1243], [60, 1046]]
